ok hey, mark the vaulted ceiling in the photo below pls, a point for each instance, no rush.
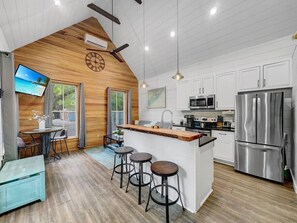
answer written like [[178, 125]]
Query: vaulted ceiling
[[237, 24]]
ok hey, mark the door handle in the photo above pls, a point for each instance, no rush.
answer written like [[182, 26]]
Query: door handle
[[199, 90], [264, 82], [203, 90], [223, 134], [217, 103], [258, 83]]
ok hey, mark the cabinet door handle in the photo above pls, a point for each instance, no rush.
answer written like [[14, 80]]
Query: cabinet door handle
[[258, 83], [223, 134], [264, 82], [217, 103], [199, 90], [203, 90]]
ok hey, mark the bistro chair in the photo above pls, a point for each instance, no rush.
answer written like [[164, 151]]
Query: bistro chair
[[62, 137], [23, 146]]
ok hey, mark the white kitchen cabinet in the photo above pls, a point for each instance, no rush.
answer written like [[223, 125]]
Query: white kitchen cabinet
[[224, 146], [196, 86], [203, 85], [225, 91], [276, 75], [183, 92], [249, 78]]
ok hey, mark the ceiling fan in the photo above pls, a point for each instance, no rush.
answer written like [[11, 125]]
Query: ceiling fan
[[113, 19], [113, 52]]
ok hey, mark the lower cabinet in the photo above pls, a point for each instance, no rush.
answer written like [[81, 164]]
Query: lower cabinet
[[224, 146]]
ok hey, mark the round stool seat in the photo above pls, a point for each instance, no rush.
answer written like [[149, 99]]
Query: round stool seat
[[140, 157], [124, 150], [164, 168]]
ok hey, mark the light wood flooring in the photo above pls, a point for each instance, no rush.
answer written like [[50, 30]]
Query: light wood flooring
[[79, 189]]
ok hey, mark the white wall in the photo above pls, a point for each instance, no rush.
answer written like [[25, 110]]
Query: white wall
[[3, 44], [272, 50], [294, 115]]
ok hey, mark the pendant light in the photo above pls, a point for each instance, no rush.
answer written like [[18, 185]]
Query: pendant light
[[178, 76], [143, 84]]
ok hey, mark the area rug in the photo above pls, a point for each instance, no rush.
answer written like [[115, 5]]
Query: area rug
[[102, 155]]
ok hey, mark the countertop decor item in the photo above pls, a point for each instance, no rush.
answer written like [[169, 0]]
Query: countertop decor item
[[39, 118], [156, 98]]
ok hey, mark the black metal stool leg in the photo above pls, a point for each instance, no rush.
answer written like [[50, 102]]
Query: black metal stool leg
[[140, 181], [162, 188], [181, 201], [114, 164], [149, 196], [166, 199]]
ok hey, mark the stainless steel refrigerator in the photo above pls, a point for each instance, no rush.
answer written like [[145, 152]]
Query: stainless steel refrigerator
[[260, 137]]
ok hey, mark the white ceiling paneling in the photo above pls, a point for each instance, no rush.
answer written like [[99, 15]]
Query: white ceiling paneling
[[238, 24]]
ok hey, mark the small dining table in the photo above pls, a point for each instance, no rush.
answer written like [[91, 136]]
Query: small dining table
[[45, 136]]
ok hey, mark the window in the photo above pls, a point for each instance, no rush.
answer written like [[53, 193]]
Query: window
[[64, 111], [118, 109]]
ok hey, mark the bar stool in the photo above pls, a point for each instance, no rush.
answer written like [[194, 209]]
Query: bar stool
[[137, 179], [164, 169], [122, 152]]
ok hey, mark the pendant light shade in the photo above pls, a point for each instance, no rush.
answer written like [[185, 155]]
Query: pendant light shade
[[178, 76], [143, 84]]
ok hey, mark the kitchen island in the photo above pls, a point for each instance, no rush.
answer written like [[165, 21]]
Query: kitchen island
[[183, 148]]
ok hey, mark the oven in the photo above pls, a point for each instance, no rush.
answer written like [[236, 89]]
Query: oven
[[202, 102]]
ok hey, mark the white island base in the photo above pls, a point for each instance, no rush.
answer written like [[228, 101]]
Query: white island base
[[196, 168]]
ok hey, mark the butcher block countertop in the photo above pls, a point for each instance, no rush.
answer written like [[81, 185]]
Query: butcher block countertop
[[181, 135]]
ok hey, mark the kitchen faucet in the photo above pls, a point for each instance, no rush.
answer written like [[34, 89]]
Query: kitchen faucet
[[162, 118]]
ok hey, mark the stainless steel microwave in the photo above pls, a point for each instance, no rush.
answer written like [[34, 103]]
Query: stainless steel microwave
[[202, 102]]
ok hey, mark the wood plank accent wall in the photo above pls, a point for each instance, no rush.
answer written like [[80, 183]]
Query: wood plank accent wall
[[62, 58]]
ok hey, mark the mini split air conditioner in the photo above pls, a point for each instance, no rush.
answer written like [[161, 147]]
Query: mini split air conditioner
[[94, 41]]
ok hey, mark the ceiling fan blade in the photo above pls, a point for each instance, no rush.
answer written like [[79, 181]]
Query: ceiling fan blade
[[121, 48], [98, 50], [139, 2], [117, 57], [104, 13]]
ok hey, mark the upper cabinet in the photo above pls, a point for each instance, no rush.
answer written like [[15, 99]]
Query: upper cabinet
[[203, 85], [249, 79], [183, 92], [276, 75], [225, 91]]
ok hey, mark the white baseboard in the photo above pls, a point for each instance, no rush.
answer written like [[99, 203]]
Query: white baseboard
[[294, 182]]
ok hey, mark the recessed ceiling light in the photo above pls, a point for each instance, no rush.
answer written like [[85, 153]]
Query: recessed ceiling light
[[213, 11], [146, 48], [57, 2], [172, 34]]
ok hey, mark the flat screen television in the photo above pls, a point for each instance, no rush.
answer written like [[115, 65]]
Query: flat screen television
[[28, 81]]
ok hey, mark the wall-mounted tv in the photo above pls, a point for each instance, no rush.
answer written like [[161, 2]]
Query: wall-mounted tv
[[28, 81]]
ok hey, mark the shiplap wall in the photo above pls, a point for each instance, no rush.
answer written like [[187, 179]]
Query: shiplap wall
[[294, 113], [270, 51]]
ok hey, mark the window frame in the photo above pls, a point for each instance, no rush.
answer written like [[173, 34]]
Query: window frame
[[125, 102], [77, 98]]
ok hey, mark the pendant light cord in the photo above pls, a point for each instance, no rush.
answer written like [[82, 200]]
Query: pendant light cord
[[177, 47], [143, 48], [112, 21]]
